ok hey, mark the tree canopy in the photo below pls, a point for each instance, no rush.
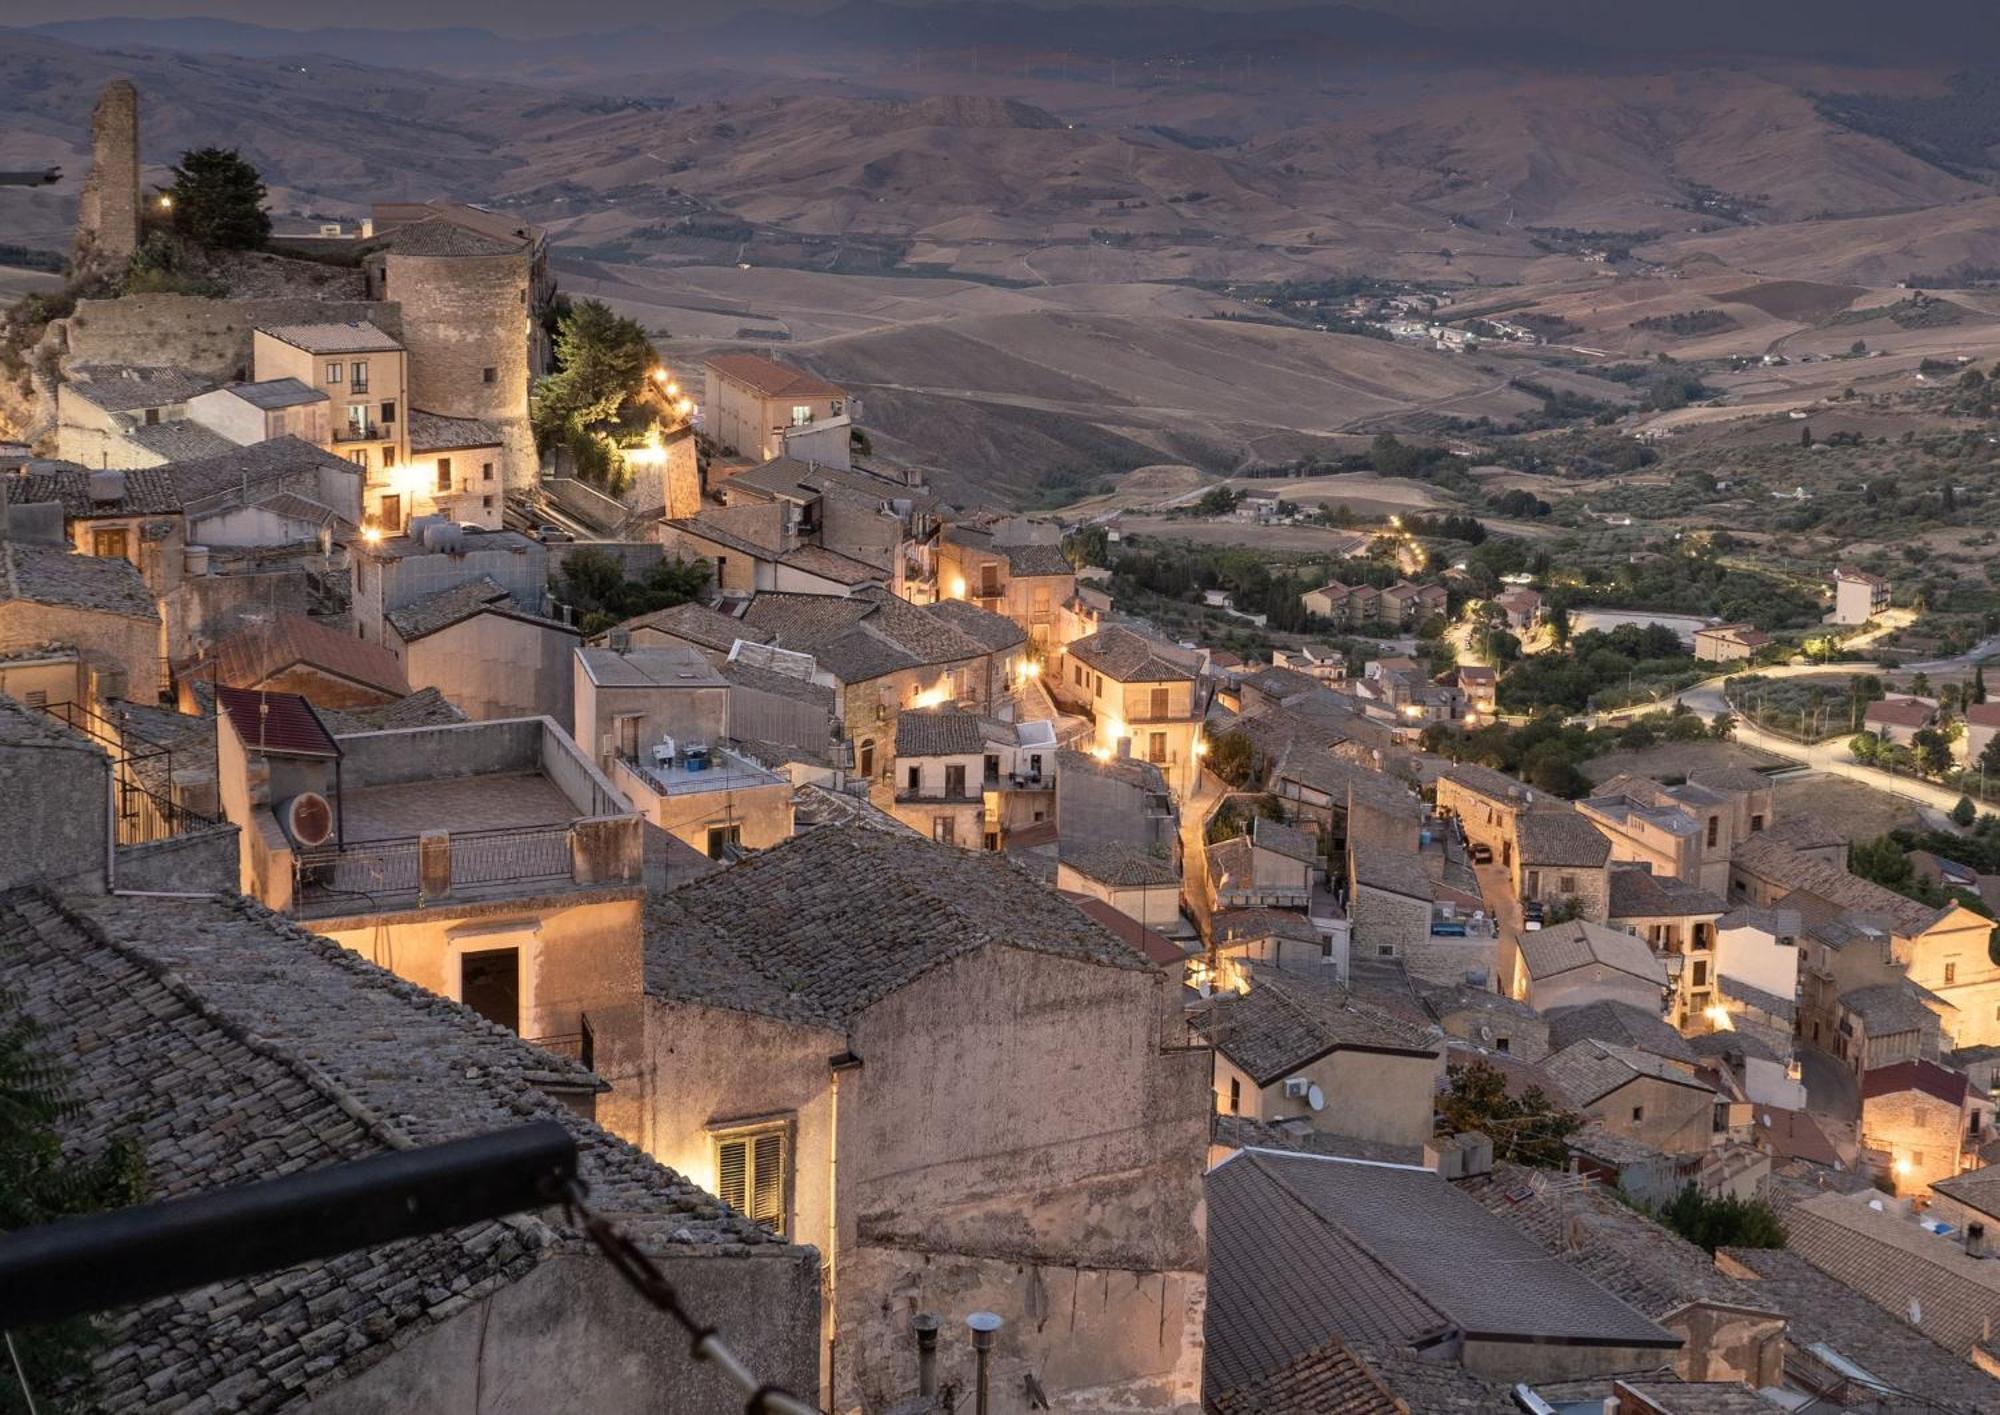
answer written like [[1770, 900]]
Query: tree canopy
[[592, 400], [1528, 1129], [218, 200], [595, 585]]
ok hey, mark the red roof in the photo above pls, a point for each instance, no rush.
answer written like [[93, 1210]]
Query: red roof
[[773, 379], [1900, 712], [1927, 1076], [284, 723], [1156, 946], [1861, 577], [262, 651]]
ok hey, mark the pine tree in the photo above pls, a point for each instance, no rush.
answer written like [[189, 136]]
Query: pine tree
[[218, 200], [1979, 683]]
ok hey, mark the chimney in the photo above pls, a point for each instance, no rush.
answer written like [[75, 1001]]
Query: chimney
[[927, 1345], [1975, 1241], [984, 1325]]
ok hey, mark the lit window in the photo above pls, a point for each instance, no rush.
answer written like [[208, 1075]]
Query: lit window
[[750, 1173], [444, 474], [336, 372]]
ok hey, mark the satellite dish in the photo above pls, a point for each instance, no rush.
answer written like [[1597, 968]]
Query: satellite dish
[[308, 819], [1316, 1098]]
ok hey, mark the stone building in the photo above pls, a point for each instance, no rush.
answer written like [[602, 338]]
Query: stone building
[[108, 209], [1569, 964], [867, 1034], [1924, 1122], [764, 409], [1637, 1094], [210, 1036], [97, 605], [1026, 581], [1145, 697]]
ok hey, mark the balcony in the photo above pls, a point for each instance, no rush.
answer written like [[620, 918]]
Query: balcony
[[726, 772], [358, 432], [579, 1046], [442, 865]]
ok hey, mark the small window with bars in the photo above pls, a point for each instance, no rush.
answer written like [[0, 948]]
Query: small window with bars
[[750, 1173]]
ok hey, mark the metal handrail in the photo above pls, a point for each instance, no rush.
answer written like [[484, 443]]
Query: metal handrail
[[395, 866]]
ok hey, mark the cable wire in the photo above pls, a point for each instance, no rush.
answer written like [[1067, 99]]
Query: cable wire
[[705, 1342]]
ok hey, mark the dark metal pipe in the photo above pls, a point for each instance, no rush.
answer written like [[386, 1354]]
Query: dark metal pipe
[[927, 1340], [106, 1261], [983, 1325]]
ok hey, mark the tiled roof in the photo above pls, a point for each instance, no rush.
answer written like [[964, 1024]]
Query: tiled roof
[[1237, 925], [447, 607], [230, 472], [1793, 870], [23, 726], [1894, 1263], [441, 236], [1804, 832], [1328, 1380], [1038, 558], [1156, 946], [427, 707], [1822, 1311], [868, 634], [771, 378], [1859, 576], [1389, 868], [1618, 1022], [832, 565], [784, 685], [292, 506], [1927, 1076], [1119, 866], [254, 654], [56, 576], [1443, 1000], [434, 432], [1900, 712], [1769, 1003], [1889, 1007], [1281, 683], [278, 722], [274, 393], [1430, 1385], [1975, 1188], [1286, 840], [1560, 837], [228, 1046], [995, 631], [1640, 894], [1579, 943], [1730, 778], [1778, 923], [1303, 1248], [699, 625], [816, 807], [1590, 1070], [149, 491], [352, 337], [180, 440], [1130, 770], [1487, 782], [940, 732], [1128, 657], [819, 928], [1286, 1022], [126, 388], [1616, 1246]]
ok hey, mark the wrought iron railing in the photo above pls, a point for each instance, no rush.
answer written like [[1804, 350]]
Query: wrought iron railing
[[144, 815], [374, 872], [579, 1046]]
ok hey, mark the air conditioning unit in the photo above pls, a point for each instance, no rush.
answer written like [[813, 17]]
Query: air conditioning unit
[[307, 819], [1296, 1087]]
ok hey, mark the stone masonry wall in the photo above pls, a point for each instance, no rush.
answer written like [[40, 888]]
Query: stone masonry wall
[[107, 216], [208, 337]]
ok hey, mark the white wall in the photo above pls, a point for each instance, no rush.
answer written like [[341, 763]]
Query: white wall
[[1754, 957]]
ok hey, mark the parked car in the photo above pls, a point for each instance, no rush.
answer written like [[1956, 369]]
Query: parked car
[[550, 534], [1531, 914], [1481, 852], [1448, 928]]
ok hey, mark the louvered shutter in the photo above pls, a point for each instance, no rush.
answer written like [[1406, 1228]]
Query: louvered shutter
[[767, 1200], [732, 1173]]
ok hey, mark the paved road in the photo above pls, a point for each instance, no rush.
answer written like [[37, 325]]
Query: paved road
[[1830, 1088]]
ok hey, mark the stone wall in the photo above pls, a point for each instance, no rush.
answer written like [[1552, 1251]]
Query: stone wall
[[55, 829], [198, 862], [123, 653], [208, 337]]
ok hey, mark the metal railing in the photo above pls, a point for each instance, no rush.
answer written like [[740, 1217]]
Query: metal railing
[[377, 871], [579, 1046], [348, 432], [144, 815]]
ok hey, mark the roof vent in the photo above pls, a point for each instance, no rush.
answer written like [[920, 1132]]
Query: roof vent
[[107, 486]]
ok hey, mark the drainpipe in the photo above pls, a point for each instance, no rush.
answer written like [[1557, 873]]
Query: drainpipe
[[984, 1325], [846, 1061]]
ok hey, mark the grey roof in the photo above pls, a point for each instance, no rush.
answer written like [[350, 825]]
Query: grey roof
[[650, 666], [448, 607], [1443, 1000], [1640, 894], [1431, 1385], [126, 388], [1303, 1248], [1730, 778], [427, 707], [1616, 1246], [1589, 1070], [1769, 1003], [1282, 683], [229, 472], [228, 1046], [1128, 657], [1618, 1022], [1134, 772], [149, 491], [271, 394], [1486, 781], [819, 928], [1560, 837], [940, 732], [995, 631], [1238, 925], [1773, 861], [180, 440], [23, 726], [1285, 1022], [1733, 1046], [55, 575], [1889, 1007], [1389, 868], [352, 337], [817, 807], [440, 236], [1286, 840], [1779, 923], [1329, 1380], [784, 685], [1579, 943], [700, 625], [1037, 558], [868, 634], [1120, 866], [1823, 1310], [434, 432]]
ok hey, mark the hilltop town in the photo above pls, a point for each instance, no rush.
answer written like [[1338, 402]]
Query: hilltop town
[[1244, 949]]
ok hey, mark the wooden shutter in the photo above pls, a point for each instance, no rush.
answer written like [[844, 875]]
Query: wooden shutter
[[732, 1172], [767, 1197]]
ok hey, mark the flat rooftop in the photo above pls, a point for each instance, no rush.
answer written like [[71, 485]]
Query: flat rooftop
[[726, 772], [497, 801]]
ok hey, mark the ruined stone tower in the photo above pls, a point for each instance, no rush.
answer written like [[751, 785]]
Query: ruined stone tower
[[107, 214]]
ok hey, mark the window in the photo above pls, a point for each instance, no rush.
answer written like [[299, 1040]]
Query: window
[[865, 763], [152, 417], [1235, 1094], [916, 778], [486, 503], [722, 572], [489, 982], [1701, 972], [113, 543], [489, 374], [992, 765], [1756, 824], [1566, 884], [1156, 747], [388, 414], [357, 418], [954, 779], [1097, 685], [802, 415], [335, 371], [486, 471], [444, 474], [1035, 764], [1950, 974], [944, 830], [1385, 950], [750, 1173], [1534, 884], [626, 727], [1159, 708], [1500, 1044], [357, 378], [390, 513], [388, 458], [1638, 1114], [721, 838], [1714, 830], [359, 457]]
